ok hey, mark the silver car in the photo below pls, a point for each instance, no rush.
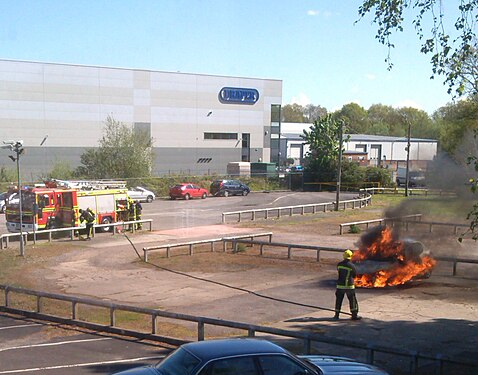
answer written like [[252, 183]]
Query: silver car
[[141, 194]]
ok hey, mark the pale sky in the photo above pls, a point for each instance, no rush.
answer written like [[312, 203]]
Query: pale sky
[[315, 47]]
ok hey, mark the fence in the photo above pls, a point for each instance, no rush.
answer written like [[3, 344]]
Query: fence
[[266, 213], [72, 317], [190, 244], [396, 190], [49, 233], [380, 221]]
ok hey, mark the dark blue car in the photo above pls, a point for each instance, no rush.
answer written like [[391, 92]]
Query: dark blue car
[[248, 357]]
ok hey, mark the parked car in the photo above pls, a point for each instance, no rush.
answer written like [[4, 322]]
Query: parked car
[[187, 191], [141, 194], [248, 356], [3, 202], [228, 187]]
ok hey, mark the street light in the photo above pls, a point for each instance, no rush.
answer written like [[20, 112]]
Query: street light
[[407, 170], [339, 165], [17, 147]]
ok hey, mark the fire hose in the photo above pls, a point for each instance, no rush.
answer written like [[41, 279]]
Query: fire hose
[[232, 287]]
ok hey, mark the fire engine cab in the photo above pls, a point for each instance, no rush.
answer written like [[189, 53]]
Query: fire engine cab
[[54, 206]]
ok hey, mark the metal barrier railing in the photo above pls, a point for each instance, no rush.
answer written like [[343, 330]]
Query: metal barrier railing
[[72, 317], [190, 244], [411, 191], [34, 236], [379, 221], [278, 212]]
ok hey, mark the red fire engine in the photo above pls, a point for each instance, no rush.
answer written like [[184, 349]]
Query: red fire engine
[[55, 207]]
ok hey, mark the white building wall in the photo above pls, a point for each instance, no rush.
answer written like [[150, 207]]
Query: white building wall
[[70, 103]]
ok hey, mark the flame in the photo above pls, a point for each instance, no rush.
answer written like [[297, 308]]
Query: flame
[[402, 268]]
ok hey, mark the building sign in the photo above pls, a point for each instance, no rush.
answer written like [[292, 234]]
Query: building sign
[[237, 95]]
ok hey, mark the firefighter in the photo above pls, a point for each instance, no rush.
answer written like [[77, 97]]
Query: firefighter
[[89, 216], [139, 209], [345, 286], [131, 212]]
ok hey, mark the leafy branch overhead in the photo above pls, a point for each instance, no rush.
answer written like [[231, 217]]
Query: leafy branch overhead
[[453, 51]]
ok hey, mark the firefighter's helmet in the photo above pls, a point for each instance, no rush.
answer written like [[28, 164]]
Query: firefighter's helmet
[[348, 254]]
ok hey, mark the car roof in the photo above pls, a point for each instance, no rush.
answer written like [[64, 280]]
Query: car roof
[[211, 349]]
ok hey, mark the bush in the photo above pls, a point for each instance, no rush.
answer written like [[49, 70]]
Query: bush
[[354, 229]]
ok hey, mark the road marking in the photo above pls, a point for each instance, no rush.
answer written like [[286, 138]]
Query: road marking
[[80, 365], [54, 343], [22, 326], [285, 196]]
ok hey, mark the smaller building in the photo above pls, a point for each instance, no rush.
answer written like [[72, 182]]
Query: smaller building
[[366, 149]]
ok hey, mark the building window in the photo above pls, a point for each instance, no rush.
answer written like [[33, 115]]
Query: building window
[[220, 136]]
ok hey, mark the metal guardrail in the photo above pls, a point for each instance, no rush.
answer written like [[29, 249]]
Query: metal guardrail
[[34, 236], [411, 191], [431, 224], [267, 213], [290, 247], [72, 317], [379, 221], [190, 244]]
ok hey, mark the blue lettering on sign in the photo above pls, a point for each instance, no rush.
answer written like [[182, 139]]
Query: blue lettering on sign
[[236, 95]]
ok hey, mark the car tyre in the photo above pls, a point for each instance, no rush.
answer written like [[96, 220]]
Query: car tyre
[[187, 196], [172, 198], [204, 196], [245, 192], [226, 193], [105, 220], [149, 199]]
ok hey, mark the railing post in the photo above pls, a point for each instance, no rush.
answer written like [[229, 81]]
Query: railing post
[[239, 217], [190, 249], [370, 355], [261, 250], [212, 246], [223, 218], [454, 267], [318, 256], [289, 251], [74, 310], [112, 316], [253, 217], [153, 324], [267, 213], [7, 291], [200, 331], [251, 332], [39, 304]]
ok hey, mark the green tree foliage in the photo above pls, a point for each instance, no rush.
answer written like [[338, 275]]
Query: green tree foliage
[[293, 113], [455, 120], [449, 49], [352, 175], [356, 118], [380, 175], [314, 112], [122, 153], [61, 170], [8, 174], [323, 140]]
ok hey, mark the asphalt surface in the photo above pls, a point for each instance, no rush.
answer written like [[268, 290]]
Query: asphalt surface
[[437, 315]]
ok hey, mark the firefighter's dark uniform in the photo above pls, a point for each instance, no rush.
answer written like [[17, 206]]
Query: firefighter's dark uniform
[[345, 286], [139, 209], [88, 216]]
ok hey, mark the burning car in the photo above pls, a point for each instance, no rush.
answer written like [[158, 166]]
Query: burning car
[[382, 260]]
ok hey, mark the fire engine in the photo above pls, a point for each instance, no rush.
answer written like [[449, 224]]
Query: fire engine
[[54, 206]]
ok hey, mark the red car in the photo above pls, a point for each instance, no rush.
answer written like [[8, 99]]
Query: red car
[[187, 191]]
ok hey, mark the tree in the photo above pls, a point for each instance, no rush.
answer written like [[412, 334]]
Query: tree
[[449, 53], [314, 112], [293, 113], [355, 116], [323, 141], [122, 153]]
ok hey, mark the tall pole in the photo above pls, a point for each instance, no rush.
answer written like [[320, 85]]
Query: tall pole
[[408, 158], [18, 150], [339, 166]]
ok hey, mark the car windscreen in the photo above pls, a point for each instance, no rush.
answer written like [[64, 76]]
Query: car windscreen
[[179, 362]]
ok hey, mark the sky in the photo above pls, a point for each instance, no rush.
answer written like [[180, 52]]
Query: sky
[[316, 48]]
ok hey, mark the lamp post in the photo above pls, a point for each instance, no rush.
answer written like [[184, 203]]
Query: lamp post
[[339, 166], [17, 147], [407, 170]]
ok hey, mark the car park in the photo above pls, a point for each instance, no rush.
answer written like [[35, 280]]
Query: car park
[[141, 194], [249, 356], [187, 191], [226, 188]]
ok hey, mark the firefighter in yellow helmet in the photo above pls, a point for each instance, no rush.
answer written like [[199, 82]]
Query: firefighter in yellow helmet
[[345, 286]]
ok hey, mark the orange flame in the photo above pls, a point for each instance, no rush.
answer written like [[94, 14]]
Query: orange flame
[[402, 269]]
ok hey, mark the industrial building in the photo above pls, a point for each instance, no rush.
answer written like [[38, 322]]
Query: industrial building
[[375, 150], [199, 123]]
